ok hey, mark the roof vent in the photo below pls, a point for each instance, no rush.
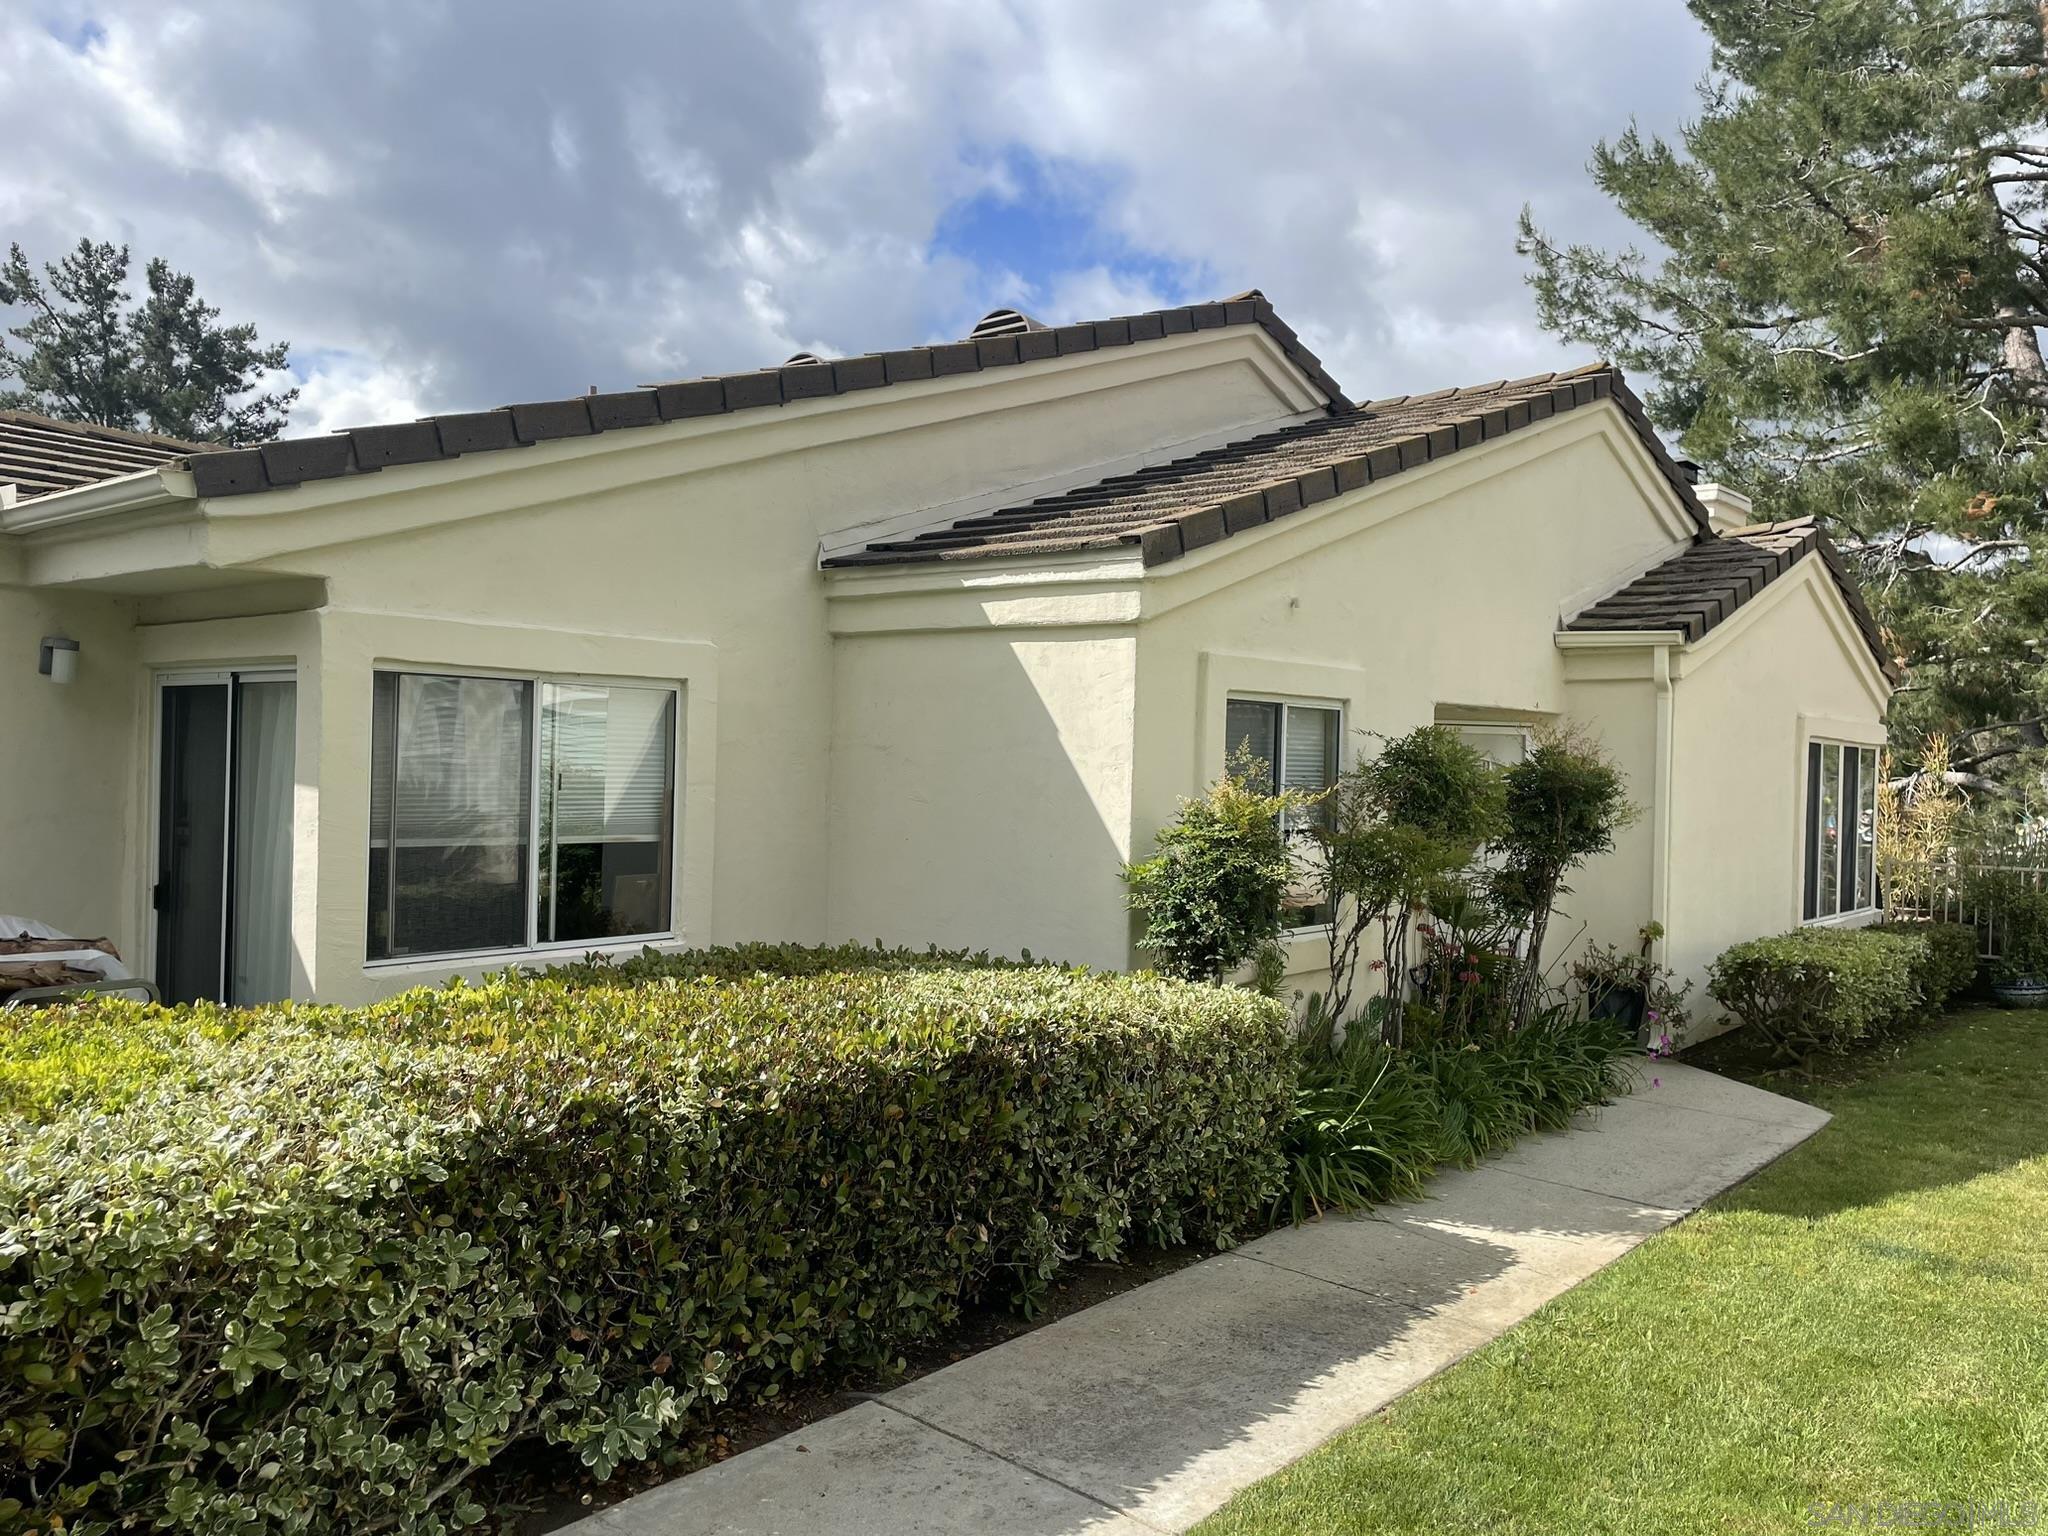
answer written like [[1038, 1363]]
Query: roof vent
[[797, 358], [1690, 470], [1004, 322]]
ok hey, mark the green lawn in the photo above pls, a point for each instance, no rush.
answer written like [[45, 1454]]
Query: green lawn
[[1864, 1323]]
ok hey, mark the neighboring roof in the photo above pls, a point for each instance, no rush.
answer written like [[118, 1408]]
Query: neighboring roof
[[40, 455], [361, 450], [1699, 587], [1171, 509]]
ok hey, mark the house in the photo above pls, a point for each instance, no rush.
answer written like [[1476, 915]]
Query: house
[[919, 645]]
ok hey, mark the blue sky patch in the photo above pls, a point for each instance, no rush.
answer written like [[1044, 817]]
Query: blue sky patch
[[80, 36], [1043, 219]]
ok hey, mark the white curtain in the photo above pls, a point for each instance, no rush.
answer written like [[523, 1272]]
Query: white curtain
[[261, 945]]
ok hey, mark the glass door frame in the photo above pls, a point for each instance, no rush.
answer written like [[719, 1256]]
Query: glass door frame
[[229, 677]]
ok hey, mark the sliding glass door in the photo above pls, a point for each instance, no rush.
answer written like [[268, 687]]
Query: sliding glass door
[[224, 836]]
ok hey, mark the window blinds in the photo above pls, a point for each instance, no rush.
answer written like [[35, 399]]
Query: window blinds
[[605, 762], [449, 761], [1311, 750], [1252, 725]]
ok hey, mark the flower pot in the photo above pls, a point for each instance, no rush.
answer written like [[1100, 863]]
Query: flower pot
[[2022, 992], [1624, 1005]]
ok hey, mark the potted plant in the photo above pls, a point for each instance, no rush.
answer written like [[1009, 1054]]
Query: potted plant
[[1633, 990], [2019, 976]]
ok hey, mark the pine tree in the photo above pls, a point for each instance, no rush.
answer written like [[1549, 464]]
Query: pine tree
[[88, 353], [1839, 315]]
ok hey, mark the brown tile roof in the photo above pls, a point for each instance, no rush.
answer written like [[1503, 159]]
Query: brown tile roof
[[1171, 509], [364, 449], [1699, 587], [40, 455]]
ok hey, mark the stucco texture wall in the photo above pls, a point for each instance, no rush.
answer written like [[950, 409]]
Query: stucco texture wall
[[69, 766], [1787, 667], [982, 791], [684, 553], [1436, 600]]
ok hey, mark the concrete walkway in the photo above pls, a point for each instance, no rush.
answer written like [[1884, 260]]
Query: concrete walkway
[[1145, 1413]]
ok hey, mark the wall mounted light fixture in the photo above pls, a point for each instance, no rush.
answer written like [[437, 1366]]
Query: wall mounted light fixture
[[58, 659]]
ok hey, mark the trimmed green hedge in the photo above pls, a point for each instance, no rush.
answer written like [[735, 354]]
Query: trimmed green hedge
[[1830, 988], [303, 1269], [1949, 966], [736, 962]]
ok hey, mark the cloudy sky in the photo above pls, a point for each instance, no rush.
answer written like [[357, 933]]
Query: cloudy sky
[[451, 205]]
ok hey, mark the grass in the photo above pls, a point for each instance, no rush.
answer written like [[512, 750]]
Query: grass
[[1863, 1324]]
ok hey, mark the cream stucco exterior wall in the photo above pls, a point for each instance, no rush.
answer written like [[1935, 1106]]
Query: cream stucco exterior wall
[[961, 754], [975, 702], [67, 764], [1433, 599], [982, 790], [684, 553], [1788, 668]]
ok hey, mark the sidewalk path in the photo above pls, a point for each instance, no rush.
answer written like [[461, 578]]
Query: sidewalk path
[[1145, 1413]]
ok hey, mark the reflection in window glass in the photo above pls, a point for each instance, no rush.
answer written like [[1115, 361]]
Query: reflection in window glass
[[606, 777], [1294, 747], [449, 798], [1830, 831], [470, 852], [1866, 828], [1252, 726], [1841, 829]]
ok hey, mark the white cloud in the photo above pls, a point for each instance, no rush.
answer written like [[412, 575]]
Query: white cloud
[[353, 391], [444, 207]]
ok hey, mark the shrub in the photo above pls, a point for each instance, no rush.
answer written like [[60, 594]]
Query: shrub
[[1565, 802], [1400, 827], [736, 962], [1212, 895], [304, 1269], [2021, 932], [1821, 988], [1948, 964]]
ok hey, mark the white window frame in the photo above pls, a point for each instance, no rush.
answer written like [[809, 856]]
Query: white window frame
[[534, 945], [1810, 841]]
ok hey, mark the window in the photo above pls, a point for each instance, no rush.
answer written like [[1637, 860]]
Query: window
[[1502, 745], [1295, 745], [1841, 829], [508, 812]]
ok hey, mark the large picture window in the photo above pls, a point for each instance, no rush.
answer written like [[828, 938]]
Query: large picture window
[[1295, 747], [511, 812], [1841, 829]]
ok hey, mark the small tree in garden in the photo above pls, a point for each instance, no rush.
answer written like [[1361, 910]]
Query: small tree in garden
[[1212, 894], [1401, 824], [1565, 802]]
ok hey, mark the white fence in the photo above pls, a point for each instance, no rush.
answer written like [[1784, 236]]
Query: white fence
[[1963, 885]]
